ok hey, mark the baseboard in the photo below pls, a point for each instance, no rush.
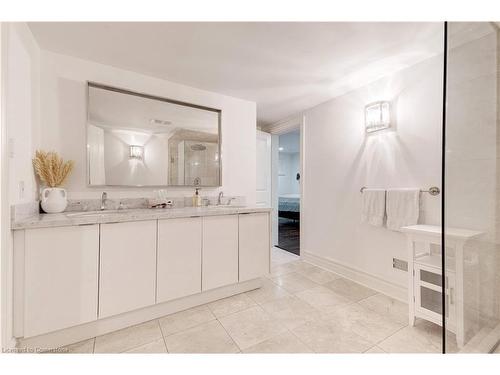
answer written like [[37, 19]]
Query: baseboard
[[9, 346], [99, 327], [485, 341], [388, 288]]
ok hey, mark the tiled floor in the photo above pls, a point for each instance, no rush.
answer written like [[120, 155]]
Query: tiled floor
[[300, 309]]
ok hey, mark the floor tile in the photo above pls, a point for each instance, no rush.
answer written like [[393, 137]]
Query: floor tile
[[279, 256], [291, 311], [375, 350], [268, 292], [86, 346], [208, 337], [366, 323], [319, 275], [183, 320], [283, 269], [128, 338], [231, 305], [322, 298], [252, 326], [286, 342], [387, 306], [157, 346], [294, 282], [327, 337], [424, 337], [302, 266], [349, 289]]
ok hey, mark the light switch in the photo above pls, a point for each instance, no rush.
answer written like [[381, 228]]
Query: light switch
[[21, 189], [11, 147]]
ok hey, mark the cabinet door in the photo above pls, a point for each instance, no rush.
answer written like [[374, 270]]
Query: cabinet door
[[61, 269], [220, 251], [254, 246], [179, 258], [128, 267]]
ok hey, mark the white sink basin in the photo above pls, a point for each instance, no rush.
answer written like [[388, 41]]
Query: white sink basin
[[96, 213], [224, 206]]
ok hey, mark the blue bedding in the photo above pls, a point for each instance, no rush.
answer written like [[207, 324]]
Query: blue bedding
[[289, 204]]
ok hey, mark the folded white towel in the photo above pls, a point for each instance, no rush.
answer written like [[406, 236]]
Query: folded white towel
[[373, 207], [402, 207]]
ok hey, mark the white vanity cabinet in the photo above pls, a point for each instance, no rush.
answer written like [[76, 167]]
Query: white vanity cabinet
[[254, 245], [127, 267], [179, 258], [220, 251], [79, 281], [60, 277]]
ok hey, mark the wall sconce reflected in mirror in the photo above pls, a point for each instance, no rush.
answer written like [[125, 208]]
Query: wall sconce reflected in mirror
[[377, 116], [136, 152]]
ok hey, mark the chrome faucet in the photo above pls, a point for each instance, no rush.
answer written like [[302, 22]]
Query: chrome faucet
[[104, 198], [219, 200]]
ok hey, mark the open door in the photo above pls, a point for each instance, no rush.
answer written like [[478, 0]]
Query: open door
[[263, 195]]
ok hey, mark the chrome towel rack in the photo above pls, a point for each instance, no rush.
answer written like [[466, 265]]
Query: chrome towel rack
[[433, 190]]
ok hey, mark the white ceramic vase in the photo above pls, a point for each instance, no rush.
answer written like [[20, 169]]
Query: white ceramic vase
[[54, 200]]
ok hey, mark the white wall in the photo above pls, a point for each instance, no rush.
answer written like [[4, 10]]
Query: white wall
[[340, 158], [22, 110], [63, 118], [20, 136]]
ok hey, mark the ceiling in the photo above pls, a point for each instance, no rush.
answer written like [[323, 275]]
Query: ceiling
[[284, 67], [116, 110]]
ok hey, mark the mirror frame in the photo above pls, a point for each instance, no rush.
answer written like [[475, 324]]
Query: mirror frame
[[152, 97]]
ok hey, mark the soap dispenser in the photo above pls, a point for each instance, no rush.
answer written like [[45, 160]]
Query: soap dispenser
[[197, 198]]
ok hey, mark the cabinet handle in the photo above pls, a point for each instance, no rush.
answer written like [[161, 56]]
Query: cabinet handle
[[452, 296]]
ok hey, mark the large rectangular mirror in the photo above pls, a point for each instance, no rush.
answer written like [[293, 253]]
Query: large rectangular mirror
[[137, 139]]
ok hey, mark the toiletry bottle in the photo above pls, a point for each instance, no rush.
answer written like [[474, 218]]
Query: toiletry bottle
[[197, 198]]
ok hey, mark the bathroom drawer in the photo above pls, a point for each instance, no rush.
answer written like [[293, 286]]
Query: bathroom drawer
[[179, 258], [220, 251], [254, 246], [60, 278], [127, 267]]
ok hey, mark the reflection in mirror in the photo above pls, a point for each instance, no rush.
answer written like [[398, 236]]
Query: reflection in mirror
[[140, 140]]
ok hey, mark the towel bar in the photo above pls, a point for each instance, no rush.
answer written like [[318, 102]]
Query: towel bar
[[433, 190]]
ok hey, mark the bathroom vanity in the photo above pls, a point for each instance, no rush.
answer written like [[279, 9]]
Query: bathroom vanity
[[84, 274]]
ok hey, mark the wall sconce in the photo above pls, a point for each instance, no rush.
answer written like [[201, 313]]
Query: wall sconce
[[136, 152], [377, 116]]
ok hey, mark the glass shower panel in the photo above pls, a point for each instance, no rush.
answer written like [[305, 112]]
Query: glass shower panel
[[201, 163], [472, 221]]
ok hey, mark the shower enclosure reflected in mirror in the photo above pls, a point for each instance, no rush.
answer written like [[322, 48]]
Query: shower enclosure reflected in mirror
[[137, 139]]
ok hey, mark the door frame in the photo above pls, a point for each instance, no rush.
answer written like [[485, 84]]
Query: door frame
[[276, 129]]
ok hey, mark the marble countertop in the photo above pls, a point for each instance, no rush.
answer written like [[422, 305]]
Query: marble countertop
[[116, 216]]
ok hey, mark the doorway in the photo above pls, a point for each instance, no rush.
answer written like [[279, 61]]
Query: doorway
[[288, 191]]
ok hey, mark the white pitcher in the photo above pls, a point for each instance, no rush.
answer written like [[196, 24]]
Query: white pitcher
[[54, 200]]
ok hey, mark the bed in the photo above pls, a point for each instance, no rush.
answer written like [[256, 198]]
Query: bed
[[289, 206]]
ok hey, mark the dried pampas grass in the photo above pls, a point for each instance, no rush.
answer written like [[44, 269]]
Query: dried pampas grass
[[51, 168]]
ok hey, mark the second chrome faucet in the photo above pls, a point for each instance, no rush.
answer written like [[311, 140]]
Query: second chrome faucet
[[104, 198]]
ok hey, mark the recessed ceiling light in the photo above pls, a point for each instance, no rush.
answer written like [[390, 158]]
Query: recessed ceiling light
[[156, 121]]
